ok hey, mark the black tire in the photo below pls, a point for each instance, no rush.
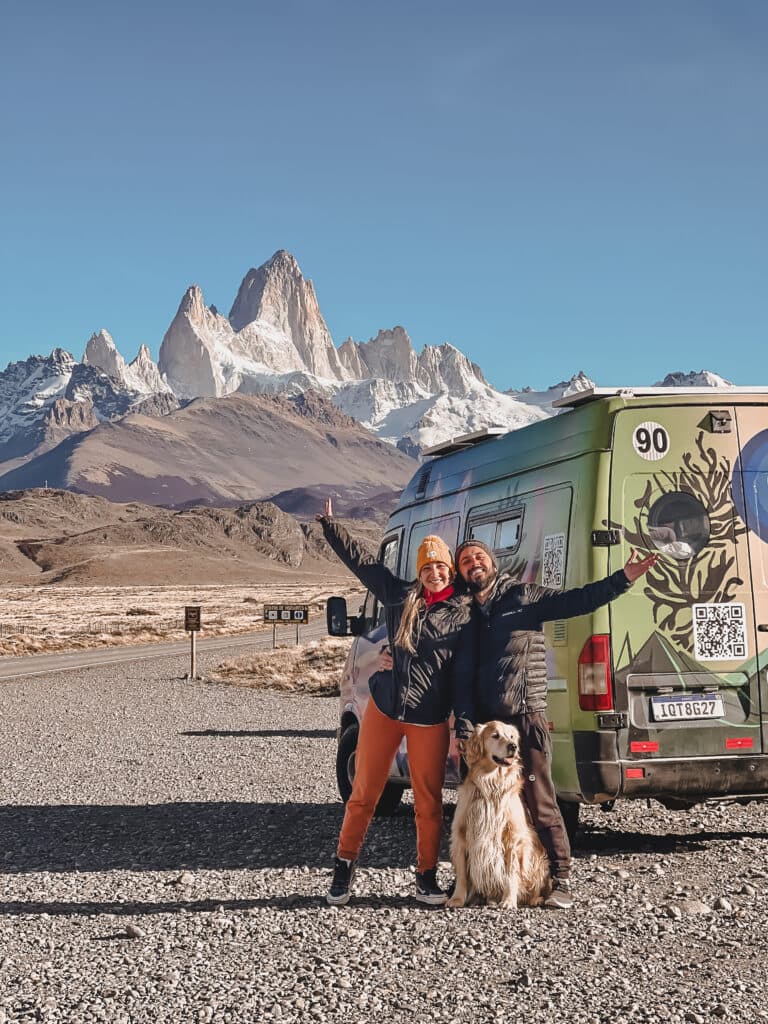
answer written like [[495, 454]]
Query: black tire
[[345, 772], [570, 812]]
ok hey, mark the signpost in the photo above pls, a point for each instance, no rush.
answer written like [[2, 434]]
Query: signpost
[[192, 626], [286, 615]]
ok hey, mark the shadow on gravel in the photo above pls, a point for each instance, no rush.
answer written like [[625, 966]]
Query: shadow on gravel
[[138, 909], [179, 836], [607, 841], [312, 734]]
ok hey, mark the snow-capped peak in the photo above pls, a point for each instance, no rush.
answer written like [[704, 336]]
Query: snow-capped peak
[[694, 379]]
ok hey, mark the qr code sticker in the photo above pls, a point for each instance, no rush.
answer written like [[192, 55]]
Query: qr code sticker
[[553, 562], [719, 632]]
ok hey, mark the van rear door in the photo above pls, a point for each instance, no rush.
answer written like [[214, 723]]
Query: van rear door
[[684, 637]]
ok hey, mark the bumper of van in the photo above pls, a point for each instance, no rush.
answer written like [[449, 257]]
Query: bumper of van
[[687, 781]]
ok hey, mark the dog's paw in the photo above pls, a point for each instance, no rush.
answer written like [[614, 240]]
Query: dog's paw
[[508, 904], [455, 901]]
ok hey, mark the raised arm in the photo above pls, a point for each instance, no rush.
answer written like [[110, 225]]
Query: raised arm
[[387, 587], [582, 600]]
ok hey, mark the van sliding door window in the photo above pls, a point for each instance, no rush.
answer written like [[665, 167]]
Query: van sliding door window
[[485, 532], [502, 535]]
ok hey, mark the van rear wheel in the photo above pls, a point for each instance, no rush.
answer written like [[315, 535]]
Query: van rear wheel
[[345, 773], [570, 813]]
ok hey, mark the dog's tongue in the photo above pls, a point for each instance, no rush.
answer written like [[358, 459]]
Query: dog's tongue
[[509, 760]]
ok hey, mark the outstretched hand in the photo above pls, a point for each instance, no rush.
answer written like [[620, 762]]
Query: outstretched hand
[[637, 566], [328, 511]]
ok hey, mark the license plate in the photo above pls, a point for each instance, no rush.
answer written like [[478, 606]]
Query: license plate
[[684, 707]]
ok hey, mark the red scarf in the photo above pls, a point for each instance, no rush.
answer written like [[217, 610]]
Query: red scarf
[[441, 595]]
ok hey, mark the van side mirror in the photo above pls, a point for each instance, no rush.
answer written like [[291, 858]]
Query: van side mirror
[[339, 623]]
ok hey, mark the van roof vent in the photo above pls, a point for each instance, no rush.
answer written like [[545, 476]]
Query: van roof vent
[[455, 444], [591, 394], [421, 486]]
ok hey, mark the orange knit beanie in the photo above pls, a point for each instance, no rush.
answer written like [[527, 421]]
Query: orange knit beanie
[[433, 549]]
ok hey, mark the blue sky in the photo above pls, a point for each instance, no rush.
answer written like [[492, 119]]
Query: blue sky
[[548, 186]]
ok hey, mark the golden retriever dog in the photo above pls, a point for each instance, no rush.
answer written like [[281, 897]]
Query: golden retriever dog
[[497, 856]]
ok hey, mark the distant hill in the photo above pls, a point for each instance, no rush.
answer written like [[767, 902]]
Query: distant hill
[[226, 450], [54, 536]]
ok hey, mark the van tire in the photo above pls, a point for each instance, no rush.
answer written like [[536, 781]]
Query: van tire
[[569, 810], [345, 772]]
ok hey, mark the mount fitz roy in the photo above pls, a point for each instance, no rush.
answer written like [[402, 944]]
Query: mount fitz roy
[[273, 342]]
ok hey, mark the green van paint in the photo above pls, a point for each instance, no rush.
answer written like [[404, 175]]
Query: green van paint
[[682, 474]]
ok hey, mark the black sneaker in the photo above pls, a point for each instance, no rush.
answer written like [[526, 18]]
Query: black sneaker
[[343, 873], [427, 889], [561, 897]]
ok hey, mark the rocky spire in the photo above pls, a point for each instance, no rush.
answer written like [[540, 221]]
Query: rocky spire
[[278, 294], [102, 353], [187, 353]]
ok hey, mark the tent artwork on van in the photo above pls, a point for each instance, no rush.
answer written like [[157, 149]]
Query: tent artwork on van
[[679, 582]]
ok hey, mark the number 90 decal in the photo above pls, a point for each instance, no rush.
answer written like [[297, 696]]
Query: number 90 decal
[[650, 441]]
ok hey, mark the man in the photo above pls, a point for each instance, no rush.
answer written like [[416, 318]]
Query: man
[[508, 680]]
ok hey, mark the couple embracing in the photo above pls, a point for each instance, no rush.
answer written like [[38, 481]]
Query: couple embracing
[[464, 638]]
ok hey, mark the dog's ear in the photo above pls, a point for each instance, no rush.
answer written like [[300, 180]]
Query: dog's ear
[[473, 749]]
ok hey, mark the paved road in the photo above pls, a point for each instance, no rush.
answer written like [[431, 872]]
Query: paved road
[[12, 667]]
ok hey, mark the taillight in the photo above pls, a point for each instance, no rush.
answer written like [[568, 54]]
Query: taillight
[[595, 684]]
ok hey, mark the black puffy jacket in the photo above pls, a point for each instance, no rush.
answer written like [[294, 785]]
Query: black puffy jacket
[[509, 676], [421, 687]]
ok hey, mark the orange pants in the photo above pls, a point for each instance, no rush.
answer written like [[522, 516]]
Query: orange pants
[[380, 737]]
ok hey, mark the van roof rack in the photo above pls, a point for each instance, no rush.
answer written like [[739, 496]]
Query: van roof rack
[[591, 394], [455, 444]]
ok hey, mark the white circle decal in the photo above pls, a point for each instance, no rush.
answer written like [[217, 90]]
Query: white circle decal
[[650, 441]]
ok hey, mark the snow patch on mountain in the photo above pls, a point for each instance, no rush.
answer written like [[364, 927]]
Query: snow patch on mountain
[[29, 387], [543, 399], [401, 411], [694, 379]]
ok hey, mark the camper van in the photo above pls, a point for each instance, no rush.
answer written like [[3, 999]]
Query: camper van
[[664, 692]]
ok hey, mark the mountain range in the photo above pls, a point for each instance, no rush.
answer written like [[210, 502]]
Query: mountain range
[[251, 404]]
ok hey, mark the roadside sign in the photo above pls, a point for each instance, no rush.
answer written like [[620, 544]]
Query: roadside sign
[[287, 614], [192, 618]]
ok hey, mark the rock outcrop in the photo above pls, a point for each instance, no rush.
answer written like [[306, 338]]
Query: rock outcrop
[[277, 294]]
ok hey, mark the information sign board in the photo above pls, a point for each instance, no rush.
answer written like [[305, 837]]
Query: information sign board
[[287, 614], [192, 618]]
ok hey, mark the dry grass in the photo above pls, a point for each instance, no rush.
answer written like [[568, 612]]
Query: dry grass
[[43, 619], [315, 668]]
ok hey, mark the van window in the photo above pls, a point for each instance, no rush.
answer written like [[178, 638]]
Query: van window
[[678, 525], [373, 612], [500, 534], [509, 533], [486, 532], [390, 549], [388, 556], [446, 528]]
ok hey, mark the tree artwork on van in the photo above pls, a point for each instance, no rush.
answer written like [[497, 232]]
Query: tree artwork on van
[[674, 584]]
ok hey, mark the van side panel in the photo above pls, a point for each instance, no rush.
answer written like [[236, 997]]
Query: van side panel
[[561, 504]]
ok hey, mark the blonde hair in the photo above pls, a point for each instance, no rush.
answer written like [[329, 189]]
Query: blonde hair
[[406, 631]]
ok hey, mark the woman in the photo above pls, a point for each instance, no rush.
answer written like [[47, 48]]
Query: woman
[[425, 622]]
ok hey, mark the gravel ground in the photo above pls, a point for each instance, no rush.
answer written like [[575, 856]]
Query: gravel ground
[[163, 857]]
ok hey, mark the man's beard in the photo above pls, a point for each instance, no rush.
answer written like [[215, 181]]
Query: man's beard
[[477, 586]]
